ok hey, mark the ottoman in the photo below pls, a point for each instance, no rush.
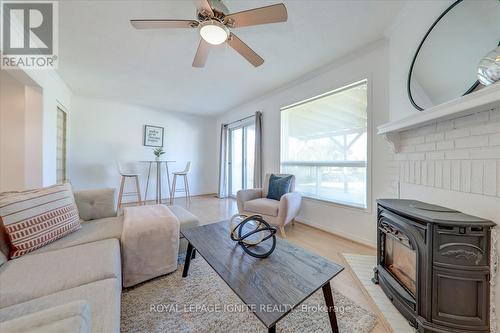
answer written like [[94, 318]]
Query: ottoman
[[186, 220], [149, 243]]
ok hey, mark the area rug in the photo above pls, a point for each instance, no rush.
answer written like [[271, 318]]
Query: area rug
[[362, 266], [202, 302]]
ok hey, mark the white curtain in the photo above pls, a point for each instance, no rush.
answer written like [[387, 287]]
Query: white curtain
[[222, 191], [257, 168]]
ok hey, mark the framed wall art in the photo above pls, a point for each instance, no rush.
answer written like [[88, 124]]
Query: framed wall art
[[153, 136]]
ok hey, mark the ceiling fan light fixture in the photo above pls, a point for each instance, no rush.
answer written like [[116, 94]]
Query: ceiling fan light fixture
[[213, 32]]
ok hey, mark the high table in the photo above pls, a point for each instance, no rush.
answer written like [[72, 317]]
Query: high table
[[158, 178]]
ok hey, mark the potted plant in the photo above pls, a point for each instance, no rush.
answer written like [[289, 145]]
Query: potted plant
[[158, 152]]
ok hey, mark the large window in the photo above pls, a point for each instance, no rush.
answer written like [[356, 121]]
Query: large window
[[324, 144]]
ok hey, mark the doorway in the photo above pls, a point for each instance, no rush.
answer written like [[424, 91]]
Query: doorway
[[241, 156], [61, 145]]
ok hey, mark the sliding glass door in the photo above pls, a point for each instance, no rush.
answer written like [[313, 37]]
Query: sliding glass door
[[241, 157]]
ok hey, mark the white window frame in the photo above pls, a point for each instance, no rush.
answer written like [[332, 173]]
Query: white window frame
[[369, 135]]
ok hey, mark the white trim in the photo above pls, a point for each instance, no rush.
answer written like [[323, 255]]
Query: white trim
[[482, 100], [241, 123], [337, 232], [328, 93], [338, 204], [352, 164], [370, 137]]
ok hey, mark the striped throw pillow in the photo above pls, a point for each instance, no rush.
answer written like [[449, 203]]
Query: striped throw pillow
[[36, 218]]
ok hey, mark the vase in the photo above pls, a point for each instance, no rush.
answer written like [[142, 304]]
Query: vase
[[157, 158], [488, 70]]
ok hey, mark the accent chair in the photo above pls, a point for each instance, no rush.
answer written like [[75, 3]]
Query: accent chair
[[278, 213]]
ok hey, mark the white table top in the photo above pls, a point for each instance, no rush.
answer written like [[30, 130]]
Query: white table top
[[160, 161]]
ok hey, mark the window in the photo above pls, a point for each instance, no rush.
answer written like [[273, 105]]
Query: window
[[324, 144], [61, 146], [241, 156]]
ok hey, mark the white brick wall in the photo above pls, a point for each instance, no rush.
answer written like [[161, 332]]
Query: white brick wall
[[462, 154]]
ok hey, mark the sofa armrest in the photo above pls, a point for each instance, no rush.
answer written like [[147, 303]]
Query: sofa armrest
[[289, 207], [96, 204], [246, 195], [72, 317]]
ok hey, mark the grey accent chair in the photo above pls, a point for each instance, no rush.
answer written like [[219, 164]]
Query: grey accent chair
[[278, 213]]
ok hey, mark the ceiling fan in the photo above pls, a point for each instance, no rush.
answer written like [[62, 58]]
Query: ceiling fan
[[214, 24]]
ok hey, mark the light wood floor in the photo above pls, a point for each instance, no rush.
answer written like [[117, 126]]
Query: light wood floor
[[210, 209]]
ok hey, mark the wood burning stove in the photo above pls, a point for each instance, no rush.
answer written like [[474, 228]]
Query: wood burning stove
[[400, 259], [433, 264]]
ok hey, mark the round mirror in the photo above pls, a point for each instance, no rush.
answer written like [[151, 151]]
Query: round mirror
[[445, 64]]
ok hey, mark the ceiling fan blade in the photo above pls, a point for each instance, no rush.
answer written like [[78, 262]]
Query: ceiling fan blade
[[244, 50], [262, 15], [201, 54], [203, 6], [163, 24]]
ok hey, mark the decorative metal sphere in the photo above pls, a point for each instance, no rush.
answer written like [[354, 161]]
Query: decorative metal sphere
[[252, 231]]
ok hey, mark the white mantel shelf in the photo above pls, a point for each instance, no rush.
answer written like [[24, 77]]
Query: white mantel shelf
[[485, 99]]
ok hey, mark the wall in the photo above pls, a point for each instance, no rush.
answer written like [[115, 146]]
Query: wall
[[454, 163], [405, 34], [11, 133], [371, 63], [55, 93], [20, 133], [103, 132], [33, 131], [460, 155]]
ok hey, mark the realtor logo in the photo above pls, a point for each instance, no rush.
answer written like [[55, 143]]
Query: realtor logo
[[29, 36]]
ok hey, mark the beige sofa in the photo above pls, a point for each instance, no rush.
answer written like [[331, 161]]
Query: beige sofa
[[83, 266], [278, 213]]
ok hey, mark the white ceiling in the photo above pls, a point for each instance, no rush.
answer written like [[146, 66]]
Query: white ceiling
[[102, 56]]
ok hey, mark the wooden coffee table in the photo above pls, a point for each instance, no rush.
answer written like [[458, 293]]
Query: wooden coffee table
[[270, 287]]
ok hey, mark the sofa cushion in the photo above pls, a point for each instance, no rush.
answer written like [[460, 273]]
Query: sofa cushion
[[263, 206], [91, 231], [72, 317], [3, 258], [186, 219], [103, 297], [41, 274], [96, 204], [4, 244], [35, 218]]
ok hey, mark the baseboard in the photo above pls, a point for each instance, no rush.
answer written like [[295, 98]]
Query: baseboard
[[338, 233], [168, 198], [192, 196]]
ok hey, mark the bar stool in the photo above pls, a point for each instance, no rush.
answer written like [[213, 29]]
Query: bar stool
[[124, 175], [184, 174]]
